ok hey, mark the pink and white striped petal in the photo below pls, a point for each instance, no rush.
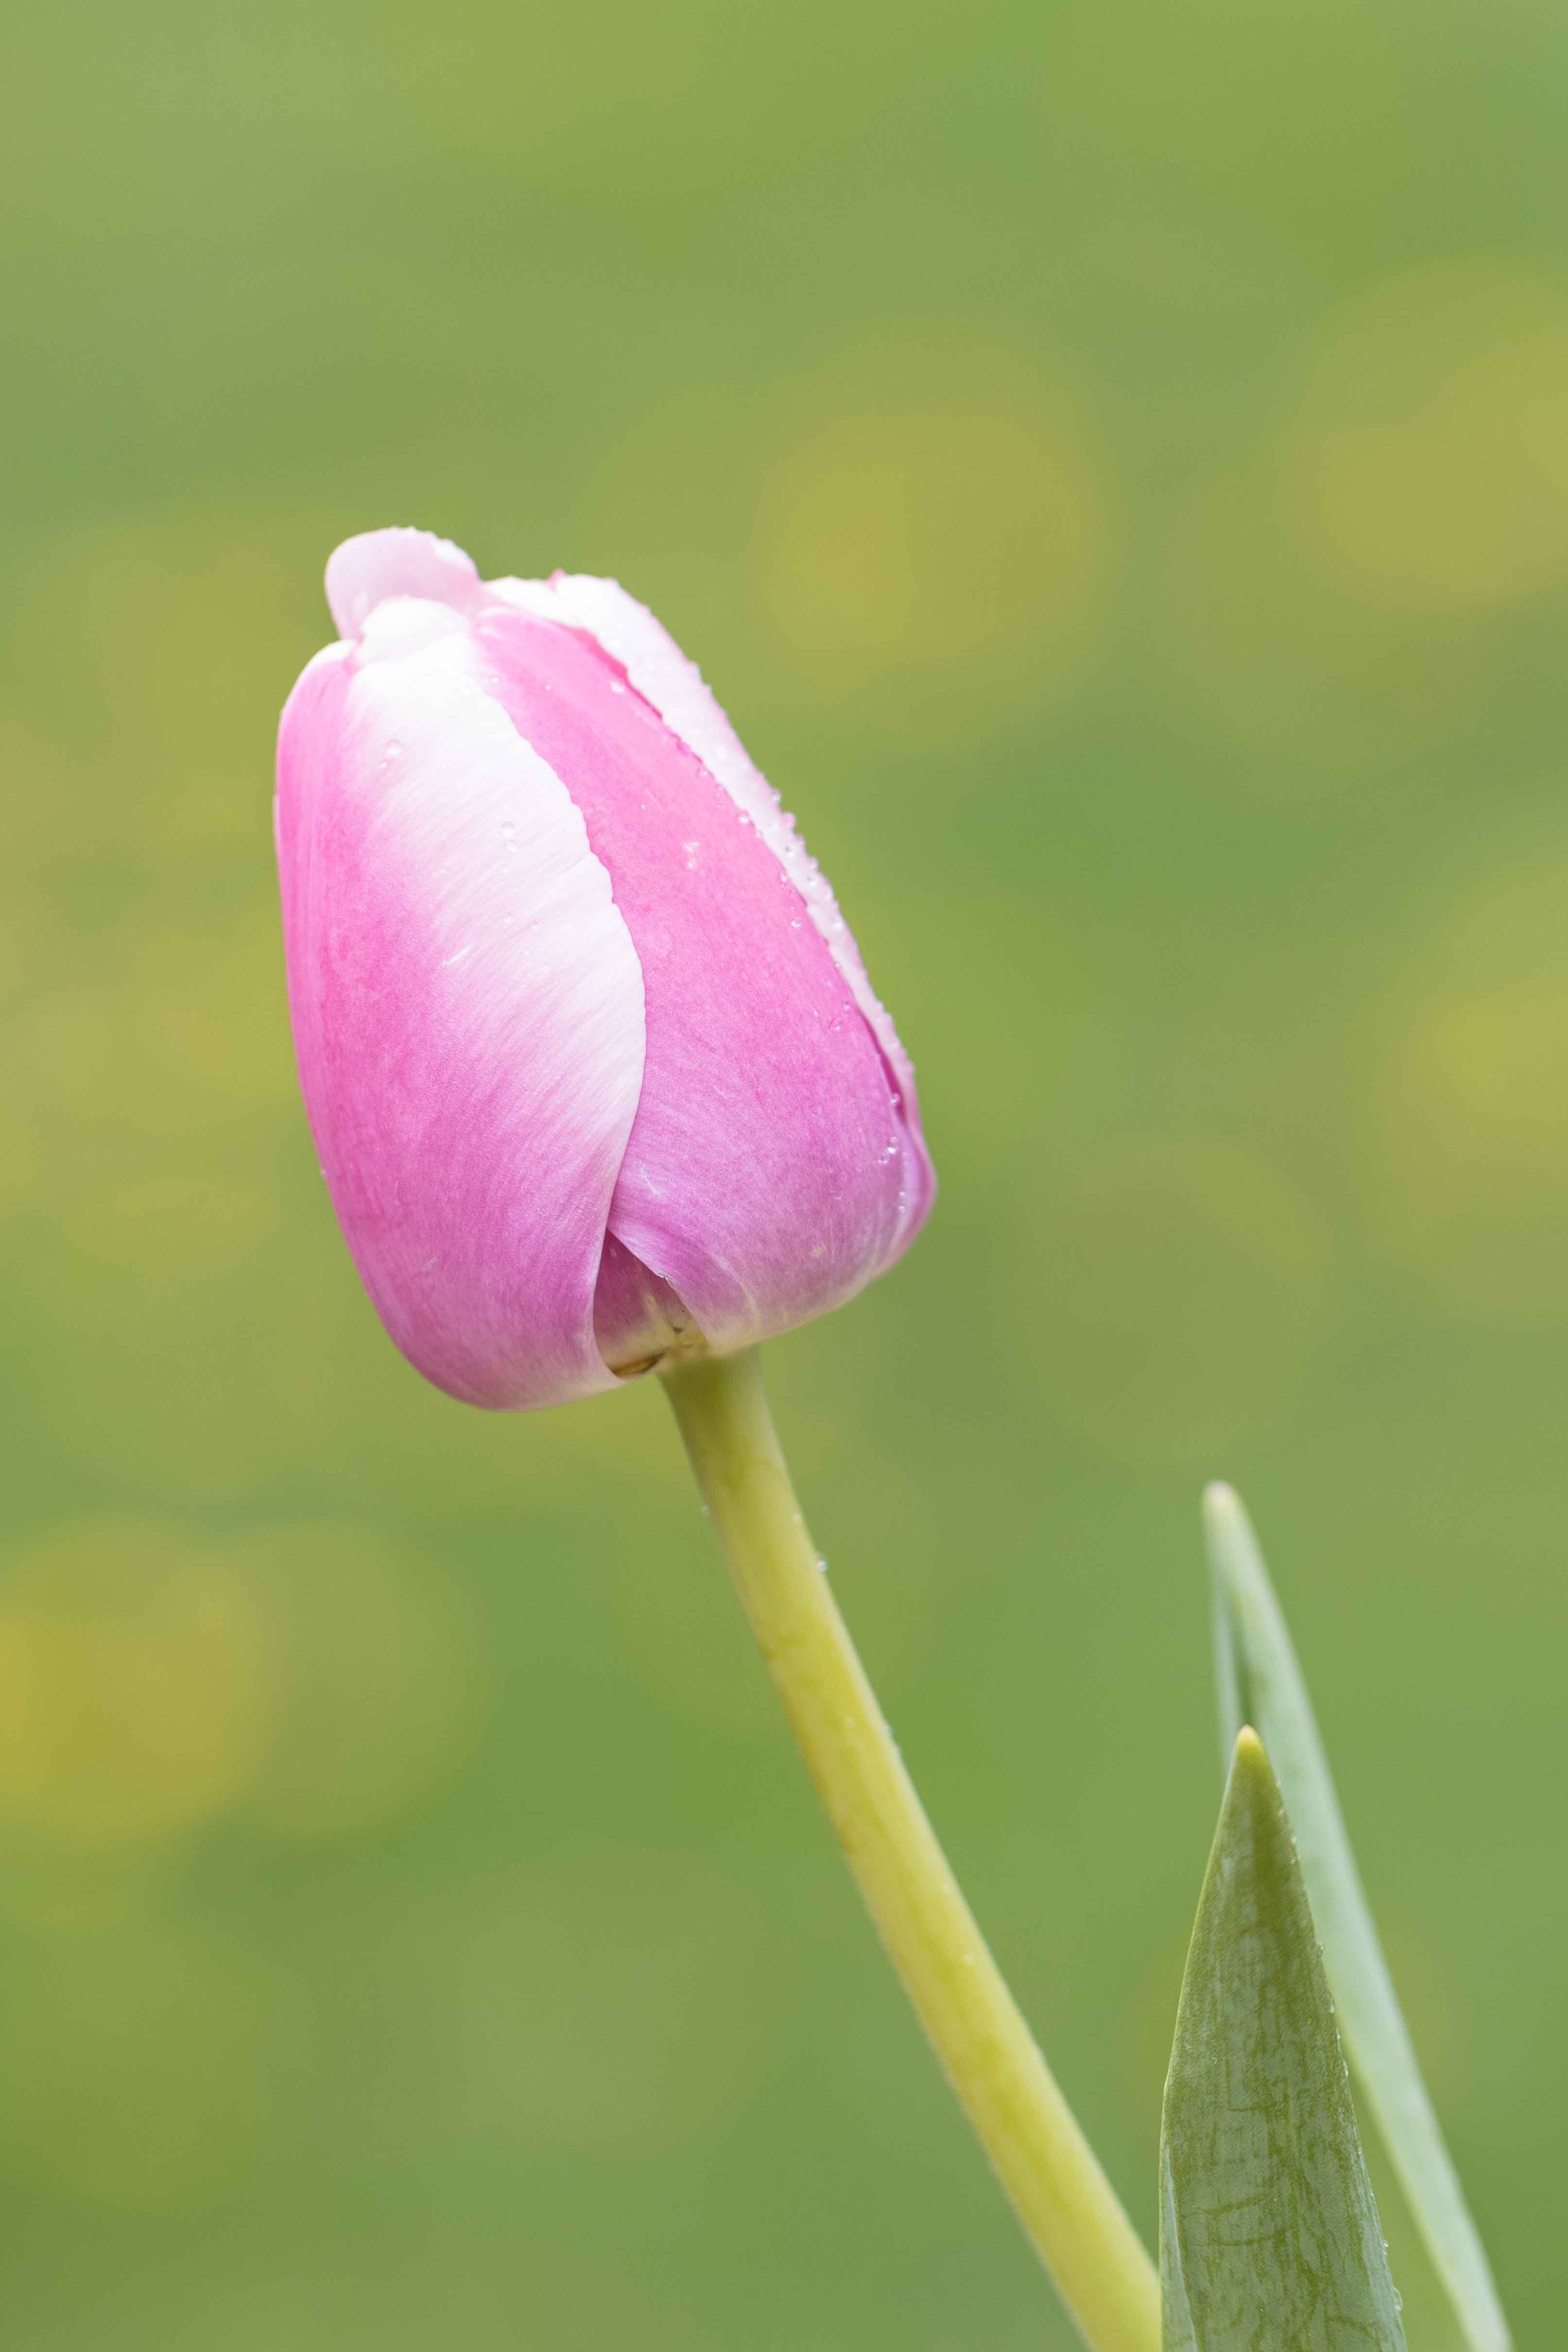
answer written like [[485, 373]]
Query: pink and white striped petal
[[769, 1173], [467, 1002], [663, 676]]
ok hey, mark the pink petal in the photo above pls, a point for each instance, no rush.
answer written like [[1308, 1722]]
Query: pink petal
[[637, 1319], [468, 1009], [770, 1172], [677, 690]]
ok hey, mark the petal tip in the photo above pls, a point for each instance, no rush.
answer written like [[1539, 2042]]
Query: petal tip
[[399, 561]]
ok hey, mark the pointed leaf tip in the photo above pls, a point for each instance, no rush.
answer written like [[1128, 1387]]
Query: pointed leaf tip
[[1269, 2232], [1257, 1675], [1221, 1506]]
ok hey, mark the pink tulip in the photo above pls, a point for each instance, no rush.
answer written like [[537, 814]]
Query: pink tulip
[[591, 1060]]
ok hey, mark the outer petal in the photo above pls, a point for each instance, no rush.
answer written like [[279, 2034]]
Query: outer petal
[[769, 1173], [661, 673], [467, 1009]]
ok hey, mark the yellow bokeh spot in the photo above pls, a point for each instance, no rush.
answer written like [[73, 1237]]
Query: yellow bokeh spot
[[135, 1684], [1175, 1286], [1471, 1108], [944, 549], [1484, 1070], [1427, 467], [313, 1676]]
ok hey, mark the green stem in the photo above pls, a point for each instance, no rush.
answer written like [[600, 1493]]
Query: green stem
[[1023, 2123]]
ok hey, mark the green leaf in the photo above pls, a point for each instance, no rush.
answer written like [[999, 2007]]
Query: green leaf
[[1260, 1681], [1268, 2232]]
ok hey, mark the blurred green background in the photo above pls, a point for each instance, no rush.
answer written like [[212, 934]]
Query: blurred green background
[[1112, 461]]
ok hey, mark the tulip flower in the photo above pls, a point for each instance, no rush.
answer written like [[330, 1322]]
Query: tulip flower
[[593, 1066], [599, 1085]]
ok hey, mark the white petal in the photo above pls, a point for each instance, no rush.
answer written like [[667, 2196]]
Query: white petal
[[364, 571]]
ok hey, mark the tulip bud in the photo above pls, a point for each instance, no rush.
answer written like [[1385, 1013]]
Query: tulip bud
[[592, 1064]]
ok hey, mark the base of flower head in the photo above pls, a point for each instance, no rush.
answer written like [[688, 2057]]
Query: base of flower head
[[639, 1320]]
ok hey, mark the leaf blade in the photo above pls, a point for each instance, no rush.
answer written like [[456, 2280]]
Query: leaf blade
[[1269, 2232], [1257, 1669]]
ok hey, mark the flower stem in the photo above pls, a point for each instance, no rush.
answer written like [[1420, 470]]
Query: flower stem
[[1042, 2158]]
